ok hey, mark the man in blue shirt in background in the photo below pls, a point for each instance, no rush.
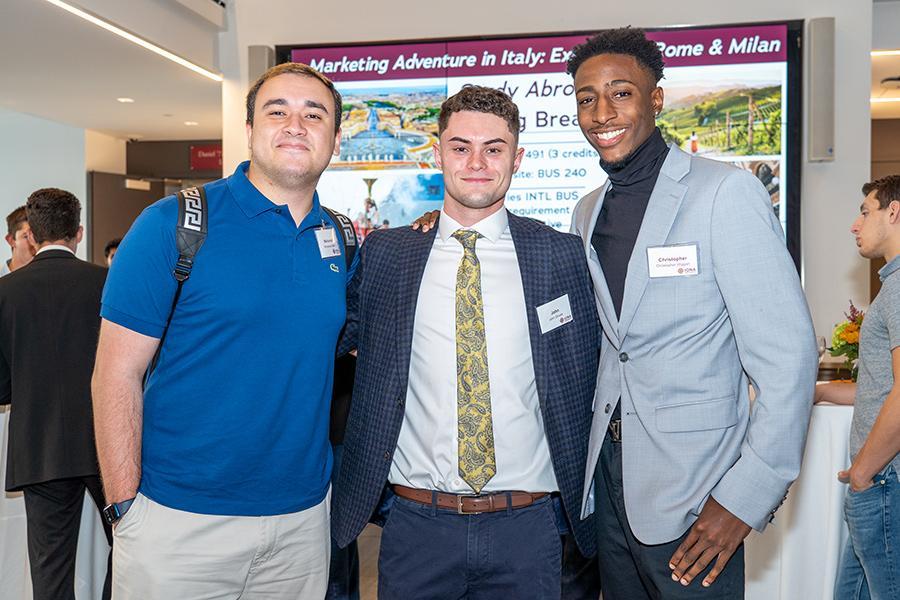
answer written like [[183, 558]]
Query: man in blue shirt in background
[[222, 460]]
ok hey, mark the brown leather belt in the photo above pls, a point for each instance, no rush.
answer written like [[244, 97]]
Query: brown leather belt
[[469, 505]]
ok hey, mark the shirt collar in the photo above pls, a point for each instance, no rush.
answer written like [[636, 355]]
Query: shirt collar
[[253, 203], [491, 227], [55, 247], [888, 269]]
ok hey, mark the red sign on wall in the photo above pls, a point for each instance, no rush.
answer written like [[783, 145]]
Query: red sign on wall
[[206, 157]]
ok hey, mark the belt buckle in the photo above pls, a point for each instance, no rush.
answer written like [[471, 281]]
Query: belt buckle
[[615, 430], [459, 504]]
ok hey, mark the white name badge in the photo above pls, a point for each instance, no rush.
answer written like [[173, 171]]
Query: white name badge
[[554, 314], [673, 261], [328, 242]]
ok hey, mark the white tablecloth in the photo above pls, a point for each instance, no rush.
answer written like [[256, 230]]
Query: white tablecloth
[[15, 579], [796, 558]]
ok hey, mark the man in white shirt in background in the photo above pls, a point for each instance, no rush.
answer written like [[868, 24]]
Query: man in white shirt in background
[[17, 237]]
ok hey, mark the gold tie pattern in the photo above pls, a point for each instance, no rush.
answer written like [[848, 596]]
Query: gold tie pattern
[[475, 432]]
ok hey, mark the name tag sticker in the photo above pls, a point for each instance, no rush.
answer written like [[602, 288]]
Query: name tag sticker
[[679, 260], [554, 313], [328, 243]]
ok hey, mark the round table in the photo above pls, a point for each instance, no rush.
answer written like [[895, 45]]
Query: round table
[[797, 555]]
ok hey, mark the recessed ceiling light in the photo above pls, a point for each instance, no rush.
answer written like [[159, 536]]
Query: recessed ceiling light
[[191, 123], [136, 39], [880, 100], [126, 100], [885, 52]]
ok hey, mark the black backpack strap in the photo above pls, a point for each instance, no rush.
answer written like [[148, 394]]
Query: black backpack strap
[[190, 233], [191, 230], [348, 232]]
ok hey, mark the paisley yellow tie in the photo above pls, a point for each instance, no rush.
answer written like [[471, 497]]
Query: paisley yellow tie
[[475, 433]]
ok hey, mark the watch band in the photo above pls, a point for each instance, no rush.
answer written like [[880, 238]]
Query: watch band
[[115, 511]]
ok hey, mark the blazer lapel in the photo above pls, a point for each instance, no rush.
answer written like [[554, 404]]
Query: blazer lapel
[[607, 310], [411, 260], [665, 200], [534, 268]]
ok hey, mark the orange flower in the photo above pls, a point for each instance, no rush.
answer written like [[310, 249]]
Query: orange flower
[[851, 336]]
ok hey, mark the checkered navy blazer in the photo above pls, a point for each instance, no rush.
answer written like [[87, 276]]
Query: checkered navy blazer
[[381, 308]]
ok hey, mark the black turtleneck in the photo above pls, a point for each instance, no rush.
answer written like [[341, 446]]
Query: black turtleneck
[[623, 210]]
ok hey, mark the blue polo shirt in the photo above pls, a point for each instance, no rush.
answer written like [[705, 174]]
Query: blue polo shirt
[[236, 413]]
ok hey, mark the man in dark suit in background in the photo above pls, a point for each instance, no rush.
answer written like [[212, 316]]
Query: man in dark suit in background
[[476, 372], [49, 322]]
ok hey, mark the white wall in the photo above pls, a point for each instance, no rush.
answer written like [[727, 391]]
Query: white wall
[[833, 273], [886, 25], [103, 153], [37, 153]]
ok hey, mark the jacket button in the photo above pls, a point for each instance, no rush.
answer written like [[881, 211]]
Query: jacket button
[[387, 456], [400, 401], [607, 408], [623, 357]]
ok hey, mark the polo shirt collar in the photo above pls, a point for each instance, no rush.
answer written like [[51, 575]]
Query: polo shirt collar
[[888, 269], [491, 227], [253, 203]]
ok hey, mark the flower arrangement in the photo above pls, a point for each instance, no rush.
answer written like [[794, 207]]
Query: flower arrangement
[[845, 339]]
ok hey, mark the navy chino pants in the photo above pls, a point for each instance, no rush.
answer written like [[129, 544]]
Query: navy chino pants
[[430, 553]]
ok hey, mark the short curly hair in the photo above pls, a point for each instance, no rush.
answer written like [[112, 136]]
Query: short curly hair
[[625, 40], [53, 214], [481, 99], [887, 190]]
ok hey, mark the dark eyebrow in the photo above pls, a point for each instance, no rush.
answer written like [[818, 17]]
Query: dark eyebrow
[[283, 102], [861, 207], [465, 141], [274, 102], [591, 88]]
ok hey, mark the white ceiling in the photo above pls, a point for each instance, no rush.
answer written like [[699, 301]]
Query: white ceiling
[[57, 66]]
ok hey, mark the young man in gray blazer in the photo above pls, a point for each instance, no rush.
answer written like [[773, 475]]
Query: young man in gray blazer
[[699, 299]]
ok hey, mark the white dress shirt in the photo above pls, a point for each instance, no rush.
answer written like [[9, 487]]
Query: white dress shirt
[[427, 453], [55, 247]]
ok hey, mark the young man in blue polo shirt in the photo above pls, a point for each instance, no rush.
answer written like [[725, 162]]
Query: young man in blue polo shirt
[[222, 460]]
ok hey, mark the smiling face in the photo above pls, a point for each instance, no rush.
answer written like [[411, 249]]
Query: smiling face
[[618, 101], [292, 138], [478, 155]]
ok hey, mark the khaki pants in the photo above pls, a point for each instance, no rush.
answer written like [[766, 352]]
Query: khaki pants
[[165, 554]]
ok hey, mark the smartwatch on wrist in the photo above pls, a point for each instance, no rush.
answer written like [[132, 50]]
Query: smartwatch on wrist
[[115, 511]]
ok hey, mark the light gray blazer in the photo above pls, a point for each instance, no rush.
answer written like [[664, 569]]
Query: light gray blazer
[[685, 348]]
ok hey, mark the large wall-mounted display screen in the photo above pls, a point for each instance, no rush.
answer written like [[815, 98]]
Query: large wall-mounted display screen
[[731, 94]]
